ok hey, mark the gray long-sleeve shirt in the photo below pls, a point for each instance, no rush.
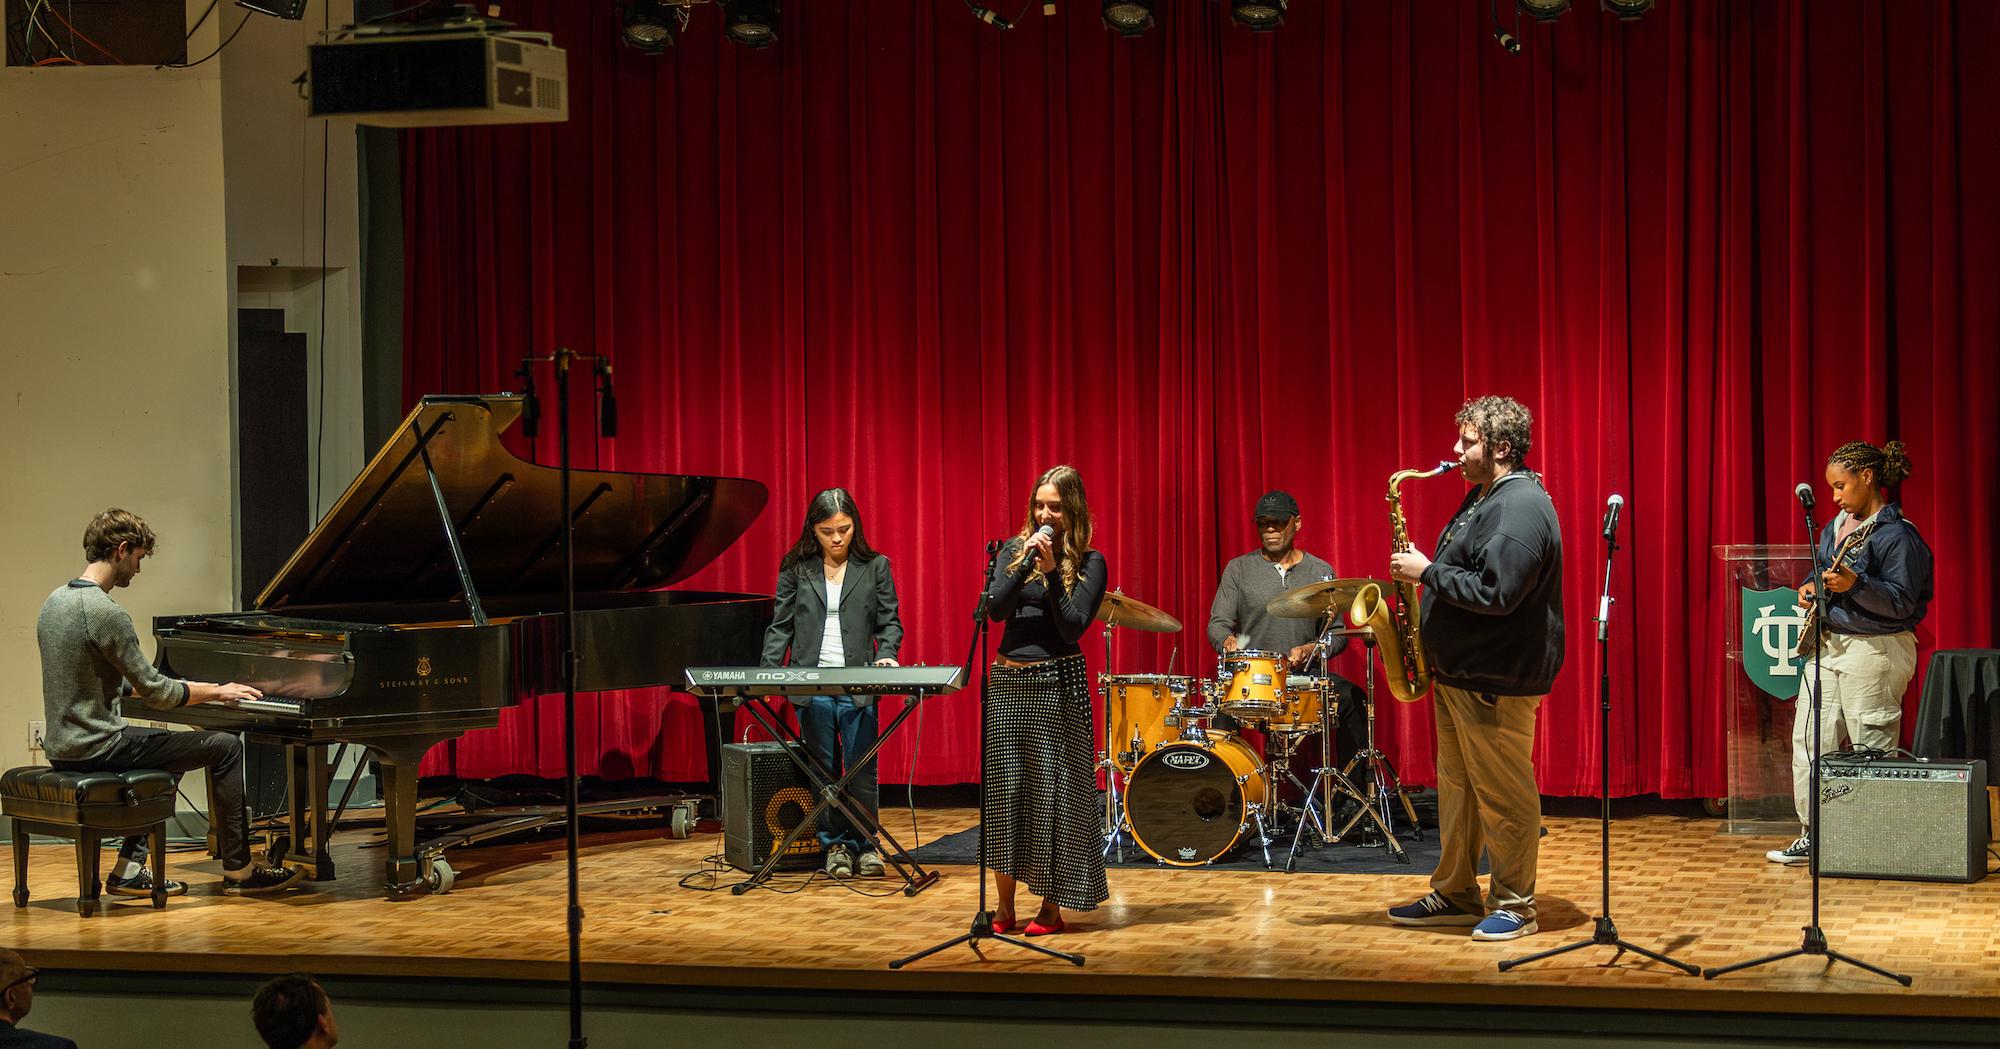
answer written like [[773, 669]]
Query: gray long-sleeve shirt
[[1248, 584], [90, 661]]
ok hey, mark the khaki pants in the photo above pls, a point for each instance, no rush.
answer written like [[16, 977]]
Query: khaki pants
[[1487, 799], [1863, 681]]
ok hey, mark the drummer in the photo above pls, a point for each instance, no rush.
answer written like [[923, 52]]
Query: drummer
[[1237, 619]]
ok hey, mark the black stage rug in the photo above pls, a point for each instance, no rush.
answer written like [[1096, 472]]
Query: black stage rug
[[1344, 857]]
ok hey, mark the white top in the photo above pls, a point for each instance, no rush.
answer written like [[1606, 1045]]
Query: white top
[[831, 654]]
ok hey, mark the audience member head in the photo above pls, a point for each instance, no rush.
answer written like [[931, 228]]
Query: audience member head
[[293, 1012], [17, 986]]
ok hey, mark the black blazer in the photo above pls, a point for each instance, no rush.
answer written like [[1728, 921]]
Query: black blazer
[[870, 628], [12, 1037]]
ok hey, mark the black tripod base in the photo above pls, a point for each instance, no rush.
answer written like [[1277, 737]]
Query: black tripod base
[[1814, 946], [982, 929], [1606, 935]]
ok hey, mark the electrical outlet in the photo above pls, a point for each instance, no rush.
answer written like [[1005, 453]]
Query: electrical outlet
[[36, 731]]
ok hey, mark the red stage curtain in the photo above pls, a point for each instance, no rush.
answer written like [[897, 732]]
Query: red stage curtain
[[908, 254]]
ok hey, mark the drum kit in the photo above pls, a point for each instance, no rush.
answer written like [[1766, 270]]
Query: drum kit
[[1189, 792]]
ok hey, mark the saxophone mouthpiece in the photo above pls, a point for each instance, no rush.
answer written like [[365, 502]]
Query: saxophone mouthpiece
[[1447, 465]]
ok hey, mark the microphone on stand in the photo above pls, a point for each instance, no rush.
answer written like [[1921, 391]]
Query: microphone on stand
[[1611, 508], [607, 409], [531, 409]]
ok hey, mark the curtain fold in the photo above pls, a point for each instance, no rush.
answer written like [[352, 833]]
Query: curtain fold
[[909, 255]]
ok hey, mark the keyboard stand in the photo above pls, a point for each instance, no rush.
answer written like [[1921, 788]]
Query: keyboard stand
[[833, 792]]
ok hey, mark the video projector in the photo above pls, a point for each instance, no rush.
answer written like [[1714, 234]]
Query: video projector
[[460, 73]]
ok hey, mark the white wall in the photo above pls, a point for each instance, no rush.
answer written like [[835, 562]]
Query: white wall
[[114, 362]]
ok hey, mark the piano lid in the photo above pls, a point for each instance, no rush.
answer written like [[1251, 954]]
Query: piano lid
[[383, 540]]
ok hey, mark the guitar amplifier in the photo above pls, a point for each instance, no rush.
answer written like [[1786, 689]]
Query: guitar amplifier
[[1917, 820], [764, 795]]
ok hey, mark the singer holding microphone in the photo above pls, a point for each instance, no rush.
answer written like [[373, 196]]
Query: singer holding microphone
[[1493, 627], [1878, 588], [836, 607], [1042, 813]]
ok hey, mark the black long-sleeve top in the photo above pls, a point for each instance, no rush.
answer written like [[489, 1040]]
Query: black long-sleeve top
[[1892, 576], [1492, 605], [1043, 621]]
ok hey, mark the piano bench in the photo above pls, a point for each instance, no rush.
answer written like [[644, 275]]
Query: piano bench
[[88, 807]]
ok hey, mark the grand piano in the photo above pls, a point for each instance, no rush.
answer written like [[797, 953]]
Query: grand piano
[[430, 598]]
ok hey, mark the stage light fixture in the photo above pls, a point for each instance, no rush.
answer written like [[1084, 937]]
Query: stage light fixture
[[1258, 16], [752, 23], [1542, 10], [1627, 10], [1128, 17], [652, 26]]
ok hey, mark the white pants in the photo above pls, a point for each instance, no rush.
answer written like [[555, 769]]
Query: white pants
[[1864, 679]]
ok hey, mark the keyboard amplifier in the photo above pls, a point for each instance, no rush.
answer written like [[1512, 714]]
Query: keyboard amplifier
[[1917, 820], [764, 795]]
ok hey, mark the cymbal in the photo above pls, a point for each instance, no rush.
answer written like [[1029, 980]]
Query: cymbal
[[1119, 610], [1317, 599]]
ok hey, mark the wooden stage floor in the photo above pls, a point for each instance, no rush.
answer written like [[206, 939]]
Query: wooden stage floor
[[1679, 885]]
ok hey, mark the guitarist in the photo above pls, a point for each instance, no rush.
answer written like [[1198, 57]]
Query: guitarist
[[1878, 587]]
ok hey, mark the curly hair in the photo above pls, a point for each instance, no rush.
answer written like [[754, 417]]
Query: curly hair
[[1891, 462], [1500, 420], [108, 529]]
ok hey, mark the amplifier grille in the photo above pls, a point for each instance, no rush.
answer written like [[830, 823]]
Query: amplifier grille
[[1922, 820]]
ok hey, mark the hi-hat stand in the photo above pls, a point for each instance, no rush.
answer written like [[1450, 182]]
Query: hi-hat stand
[[982, 919], [1604, 931], [1814, 944]]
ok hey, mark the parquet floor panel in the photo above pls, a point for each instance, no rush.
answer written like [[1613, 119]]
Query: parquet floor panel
[[1679, 886]]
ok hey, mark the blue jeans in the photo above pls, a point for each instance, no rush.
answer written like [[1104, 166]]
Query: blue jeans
[[838, 733]]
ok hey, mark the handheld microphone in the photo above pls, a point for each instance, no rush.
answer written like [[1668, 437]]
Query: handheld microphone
[[1611, 508], [1028, 563], [531, 409], [607, 409], [1804, 492]]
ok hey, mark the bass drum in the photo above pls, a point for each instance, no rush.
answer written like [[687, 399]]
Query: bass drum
[[1188, 803]]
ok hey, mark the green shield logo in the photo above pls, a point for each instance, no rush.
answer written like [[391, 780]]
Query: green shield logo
[[1772, 620]]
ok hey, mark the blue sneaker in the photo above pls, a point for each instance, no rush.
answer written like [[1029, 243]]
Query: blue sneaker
[[1504, 924], [1432, 910]]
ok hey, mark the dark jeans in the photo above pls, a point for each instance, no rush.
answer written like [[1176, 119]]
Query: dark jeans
[[158, 748], [837, 733]]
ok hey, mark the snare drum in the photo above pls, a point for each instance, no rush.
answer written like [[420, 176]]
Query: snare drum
[[1251, 687], [1146, 711], [1189, 802], [1305, 698]]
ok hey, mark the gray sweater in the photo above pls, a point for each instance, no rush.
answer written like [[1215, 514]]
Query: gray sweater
[[90, 661], [1248, 584]]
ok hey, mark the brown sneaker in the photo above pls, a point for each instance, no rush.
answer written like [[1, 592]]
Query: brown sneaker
[[263, 879]]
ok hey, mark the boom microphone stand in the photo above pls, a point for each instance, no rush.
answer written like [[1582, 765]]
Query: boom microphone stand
[[1815, 938], [982, 919], [1605, 931], [608, 427]]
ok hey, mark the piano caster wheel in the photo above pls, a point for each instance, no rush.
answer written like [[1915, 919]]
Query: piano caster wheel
[[682, 823], [440, 877]]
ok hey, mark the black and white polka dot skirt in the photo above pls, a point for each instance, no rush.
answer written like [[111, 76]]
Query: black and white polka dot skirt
[[1042, 822]]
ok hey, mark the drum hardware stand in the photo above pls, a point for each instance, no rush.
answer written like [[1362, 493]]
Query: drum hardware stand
[[1814, 944], [1372, 806], [1107, 763], [1383, 781], [982, 919]]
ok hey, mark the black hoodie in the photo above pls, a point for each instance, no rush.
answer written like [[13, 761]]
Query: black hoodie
[[1493, 619]]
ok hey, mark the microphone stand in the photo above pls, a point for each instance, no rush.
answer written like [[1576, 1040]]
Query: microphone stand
[[608, 427], [1814, 944], [1604, 931], [982, 919]]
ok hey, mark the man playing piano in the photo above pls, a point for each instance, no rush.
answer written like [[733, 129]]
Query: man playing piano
[[91, 662]]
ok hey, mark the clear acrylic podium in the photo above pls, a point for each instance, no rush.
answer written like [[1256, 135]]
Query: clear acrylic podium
[[1760, 677]]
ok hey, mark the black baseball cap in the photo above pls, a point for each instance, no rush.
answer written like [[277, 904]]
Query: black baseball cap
[[1276, 503]]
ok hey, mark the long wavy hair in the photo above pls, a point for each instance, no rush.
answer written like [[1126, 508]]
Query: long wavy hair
[[1076, 533], [822, 506]]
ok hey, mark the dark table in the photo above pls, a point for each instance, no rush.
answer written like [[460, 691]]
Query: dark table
[[1959, 714]]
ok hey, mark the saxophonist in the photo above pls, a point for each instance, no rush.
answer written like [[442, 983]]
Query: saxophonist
[[1493, 627]]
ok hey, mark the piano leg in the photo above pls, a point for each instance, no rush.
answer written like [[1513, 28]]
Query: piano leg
[[398, 761]]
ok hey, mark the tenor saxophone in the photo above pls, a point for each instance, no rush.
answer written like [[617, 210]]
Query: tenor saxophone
[[1396, 631]]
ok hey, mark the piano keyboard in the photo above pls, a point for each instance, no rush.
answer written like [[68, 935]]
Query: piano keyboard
[[267, 705]]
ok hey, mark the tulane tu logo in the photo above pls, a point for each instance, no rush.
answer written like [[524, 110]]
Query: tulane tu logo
[[1772, 620]]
